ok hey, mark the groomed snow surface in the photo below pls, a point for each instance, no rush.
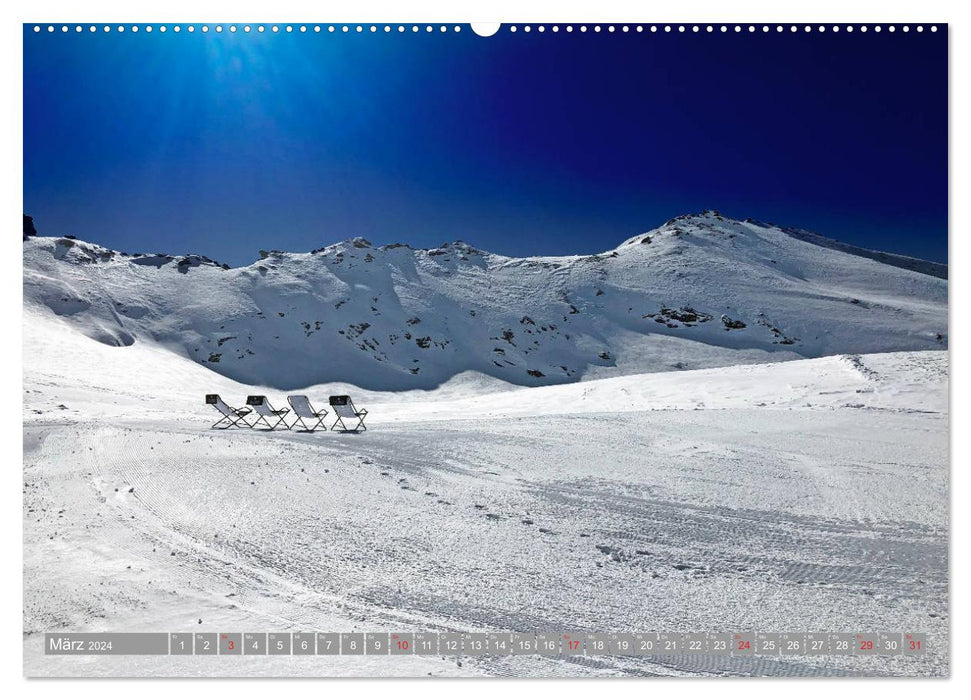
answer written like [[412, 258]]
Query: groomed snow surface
[[805, 495]]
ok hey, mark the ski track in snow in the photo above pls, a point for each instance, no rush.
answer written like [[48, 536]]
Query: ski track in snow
[[656, 520]]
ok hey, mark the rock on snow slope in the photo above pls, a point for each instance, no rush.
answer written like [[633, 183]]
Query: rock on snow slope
[[700, 291]]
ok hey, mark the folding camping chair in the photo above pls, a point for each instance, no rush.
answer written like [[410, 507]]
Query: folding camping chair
[[232, 417], [344, 408], [265, 411], [302, 409]]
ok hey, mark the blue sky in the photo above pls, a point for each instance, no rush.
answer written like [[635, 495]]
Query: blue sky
[[223, 144]]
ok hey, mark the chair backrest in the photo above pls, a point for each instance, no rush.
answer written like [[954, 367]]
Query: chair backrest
[[301, 406], [221, 406], [260, 405], [343, 406]]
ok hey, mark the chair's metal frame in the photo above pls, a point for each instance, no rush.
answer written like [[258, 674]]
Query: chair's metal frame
[[230, 421], [360, 415], [319, 415], [262, 400]]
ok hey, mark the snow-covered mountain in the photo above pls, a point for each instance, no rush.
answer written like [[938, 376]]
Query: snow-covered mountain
[[700, 291]]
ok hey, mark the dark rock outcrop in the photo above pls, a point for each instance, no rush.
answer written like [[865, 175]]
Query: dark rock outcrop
[[29, 229]]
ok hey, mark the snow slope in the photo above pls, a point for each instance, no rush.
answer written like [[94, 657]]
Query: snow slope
[[700, 291], [802, 495]]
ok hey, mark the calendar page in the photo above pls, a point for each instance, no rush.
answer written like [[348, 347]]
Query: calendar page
[[537, 350]]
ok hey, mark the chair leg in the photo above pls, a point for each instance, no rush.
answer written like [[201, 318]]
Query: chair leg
[[312, 428], [241, 419], [218, 425], [307, 428]]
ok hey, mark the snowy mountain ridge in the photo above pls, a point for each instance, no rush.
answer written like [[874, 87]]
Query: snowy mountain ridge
[[700, 291]]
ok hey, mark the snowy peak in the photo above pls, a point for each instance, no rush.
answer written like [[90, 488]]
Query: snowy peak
[[699, 291], [710, 226]]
